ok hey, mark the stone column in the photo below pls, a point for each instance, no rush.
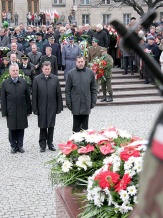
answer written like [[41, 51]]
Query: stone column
[[20, 6]]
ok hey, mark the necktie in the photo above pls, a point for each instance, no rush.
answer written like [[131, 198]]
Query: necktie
[[46, 77], [15, 80]]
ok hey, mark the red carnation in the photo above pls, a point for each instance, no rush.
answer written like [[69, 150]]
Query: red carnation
[[108, 179], [68, 147], [122, 184], [129, 152], [106, 149]]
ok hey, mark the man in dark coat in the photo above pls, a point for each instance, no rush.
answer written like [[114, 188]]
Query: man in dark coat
[[16, 106], [88, 32], [81, 93], [52, 59], [101, 35], [46, 103], [55, 49]]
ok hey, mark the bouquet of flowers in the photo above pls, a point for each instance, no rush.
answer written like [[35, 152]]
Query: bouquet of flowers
[[102, 67], [112, 190], [65, 38], [4, 50], [84, 153], [6, 75], [29, 37], [113, 33]]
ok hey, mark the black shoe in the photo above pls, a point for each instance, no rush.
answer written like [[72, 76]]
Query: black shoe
[[132, 73], [103, 99], [124, 73], [13, 150], [21, 150], [52, 148], [42, 149], [146, 82], [109, 100]]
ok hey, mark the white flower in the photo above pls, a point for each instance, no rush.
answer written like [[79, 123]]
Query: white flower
[[130, 172], [67, 165], [110, 134], [136, 199], [84, 161], [124, 134], [124, 195], [77, 137], [132, 190], [61, 158]]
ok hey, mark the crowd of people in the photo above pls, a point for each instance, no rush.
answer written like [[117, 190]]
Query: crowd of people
[[40, 51]]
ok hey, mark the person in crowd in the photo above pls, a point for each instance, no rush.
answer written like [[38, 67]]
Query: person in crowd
[[57, 34], [106, 85], [32, 41], [8, 17], [19, 46], [141, 63], [30, 31], [16, 17], [69, 53], [101, 35], [94, 51], [4, 16], [40, 18], [50, 32], [13, 59], [153, 50], [52, 59], [68, 28], [128, 57], [88, 32], [35, 58], [27, 67], [15, 106], [29, 16], [46, 103], [22, 29], [21, 40], [4, 65], [40, 41], [4, 40], [55, 49], [161, 61], [43, 31], [70, 18], [81, 94], [48, 19], [14, 50], [132, 22]]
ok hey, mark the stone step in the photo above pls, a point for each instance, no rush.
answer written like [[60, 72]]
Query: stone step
[[130, 101], [124, 94]]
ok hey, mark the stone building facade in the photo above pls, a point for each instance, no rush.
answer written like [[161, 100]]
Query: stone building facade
[[83, 11]]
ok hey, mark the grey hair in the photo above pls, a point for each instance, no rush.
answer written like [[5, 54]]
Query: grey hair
[[13, 65]]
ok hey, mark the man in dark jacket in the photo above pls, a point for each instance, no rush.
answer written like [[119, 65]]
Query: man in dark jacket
[[46, 103], [16, 106], [81, 94], [101, 35], [52, 59]]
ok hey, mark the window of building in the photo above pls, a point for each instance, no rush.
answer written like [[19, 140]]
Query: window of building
[[126, 19], [58, 2], [33, 6], [105, 2], [74, 2], [85, 2], [106, 19], [85, 19]]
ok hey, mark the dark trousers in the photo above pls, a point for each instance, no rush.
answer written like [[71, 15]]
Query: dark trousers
[[80, 122], [128, 60], [46, 135], [16, 138]]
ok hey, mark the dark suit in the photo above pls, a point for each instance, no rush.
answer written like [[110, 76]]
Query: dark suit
[[55, 51], [4, 40], [53, 61]]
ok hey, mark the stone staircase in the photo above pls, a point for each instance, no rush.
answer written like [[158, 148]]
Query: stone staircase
[[127, 89]]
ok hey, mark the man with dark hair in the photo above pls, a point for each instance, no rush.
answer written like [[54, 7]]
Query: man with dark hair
[[16, 106], [46, 103], [81, 94]]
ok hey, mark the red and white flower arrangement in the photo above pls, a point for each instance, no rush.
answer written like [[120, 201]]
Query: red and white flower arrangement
[[112, 190], [85, 152]]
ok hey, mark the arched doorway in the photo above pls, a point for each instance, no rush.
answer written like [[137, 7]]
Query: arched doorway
[[33, 6], [8, 6]]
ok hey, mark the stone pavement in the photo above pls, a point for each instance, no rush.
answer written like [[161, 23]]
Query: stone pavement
[[25, 188]]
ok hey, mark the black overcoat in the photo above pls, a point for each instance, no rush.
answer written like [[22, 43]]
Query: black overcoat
[[81, 91], [15, 103], [46, 99], [53, 61]]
